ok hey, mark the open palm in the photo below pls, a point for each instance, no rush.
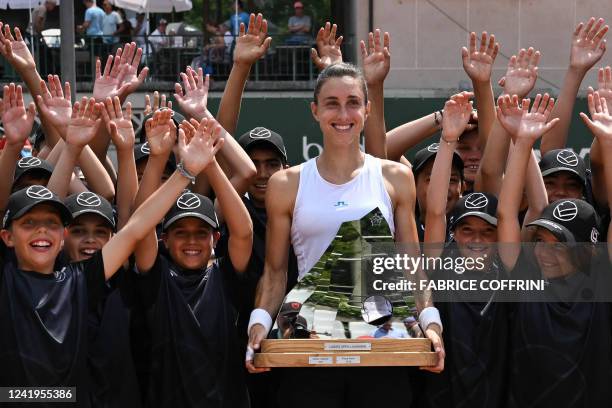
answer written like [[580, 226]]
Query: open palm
[[376, 62], [161, 132], [328, 47], [14, 49], [195, 98], [201, 149], [16, 119], [83, 123], [478, 64], [252, 44], [509, 113], [588, 45]]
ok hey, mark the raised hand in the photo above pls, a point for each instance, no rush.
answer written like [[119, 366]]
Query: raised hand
[[479, 63], [159, 102], [604, 84], [193, 101], [189, 128], [110, 84], [130, 58], [328, 46], [201, 149], [14, 49], [522, 73], [588, 44], [376, 57], [252, 44], [457, 112], [534, 123], [16, 119], [161, 132], [54, 102], [600, 123], [83, 123], [509, 113], [119, 126]]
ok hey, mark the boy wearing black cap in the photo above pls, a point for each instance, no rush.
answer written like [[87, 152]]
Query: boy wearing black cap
[[562, 349], [30, 171], [422, 167], [564, 173], [43, 318], [195, 359], [475, 332]]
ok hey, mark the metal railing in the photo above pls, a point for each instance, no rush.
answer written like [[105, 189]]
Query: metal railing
[[287, 60]]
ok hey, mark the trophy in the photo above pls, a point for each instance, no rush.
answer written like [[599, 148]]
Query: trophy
[[330, 317]]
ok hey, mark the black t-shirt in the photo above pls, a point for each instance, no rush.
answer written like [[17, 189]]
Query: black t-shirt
[[43, 323], [561, 351], [195, 359], [243, 292], [476, 342]]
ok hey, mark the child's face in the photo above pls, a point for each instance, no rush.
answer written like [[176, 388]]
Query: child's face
[[553, 257], [475, 237], [562, 185], [455, 187], [87, 234], [37, 238], [267, 162], [190, 242]]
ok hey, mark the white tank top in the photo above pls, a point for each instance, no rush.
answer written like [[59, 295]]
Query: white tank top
[[321, 207]]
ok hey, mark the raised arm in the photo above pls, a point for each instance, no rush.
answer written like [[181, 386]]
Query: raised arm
[[161, 138], [406, 136], [196, 155], [600, 124], [519, 80], [457, 112], [250, 47], [122, 134], [376, 64], [81, 130], [478, 65], [17, 121], [530, 128], [588, 46]]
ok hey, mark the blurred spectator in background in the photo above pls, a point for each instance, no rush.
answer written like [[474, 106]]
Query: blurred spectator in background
[[299, 26], [125, 30], [111, 26], [158, 38], [239, 16], [39, 16], [92, 26], [139, 30]]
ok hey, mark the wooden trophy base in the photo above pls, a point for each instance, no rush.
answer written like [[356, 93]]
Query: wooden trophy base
[[345, 353]]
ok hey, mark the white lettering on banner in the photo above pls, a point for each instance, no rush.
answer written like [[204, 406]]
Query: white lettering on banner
[[307, 147], [320, 360]]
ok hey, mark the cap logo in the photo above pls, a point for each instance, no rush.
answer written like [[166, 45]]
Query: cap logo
[[594, 235], [28, 162], [88, 199], [188, 201], [39, 193], [565, 211], [475, 201], [260, 133], [433, 147], [568, 158], [145, 148]]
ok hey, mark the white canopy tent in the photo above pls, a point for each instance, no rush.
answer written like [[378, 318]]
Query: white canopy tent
[[153, 6], [22, 4]]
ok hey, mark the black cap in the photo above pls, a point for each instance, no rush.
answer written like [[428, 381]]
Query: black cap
[[90, 203], [570, 220], [32, 164], [481, 205], [141, 134], [429, 153], [192, 205], [142, 151], [22, 201], [262, 136], [558, 160]]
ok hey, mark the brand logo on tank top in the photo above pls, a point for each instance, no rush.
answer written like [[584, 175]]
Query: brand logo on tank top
[[341, 204], [376, 220]]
